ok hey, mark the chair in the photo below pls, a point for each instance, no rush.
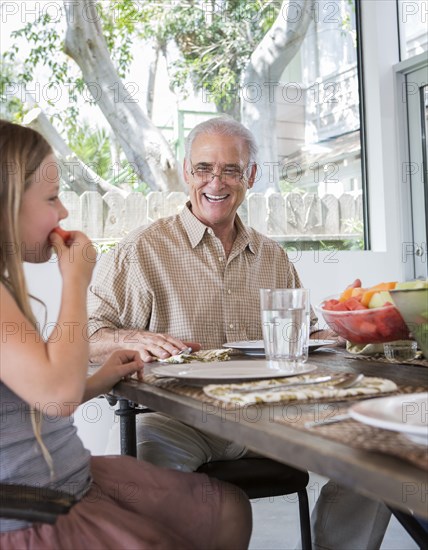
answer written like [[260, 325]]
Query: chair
[[261, 478], [35, 504], [257, 477]]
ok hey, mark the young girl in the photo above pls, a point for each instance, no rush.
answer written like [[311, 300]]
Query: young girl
[[122, 502]]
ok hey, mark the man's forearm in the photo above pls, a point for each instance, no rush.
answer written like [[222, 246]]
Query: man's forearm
[[105, 341], [323, 334]]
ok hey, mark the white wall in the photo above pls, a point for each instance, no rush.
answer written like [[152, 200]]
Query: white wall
[[45, 283], [94, 418]]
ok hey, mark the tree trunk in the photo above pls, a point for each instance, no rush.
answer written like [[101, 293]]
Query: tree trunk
[[144, 145], [75, 174], [260, 83], [152, 80]]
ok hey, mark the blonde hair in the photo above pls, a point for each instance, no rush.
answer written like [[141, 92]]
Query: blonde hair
[[22, 150]]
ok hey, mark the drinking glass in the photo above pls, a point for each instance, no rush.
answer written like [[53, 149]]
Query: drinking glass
[[285, 323], [400, 350]]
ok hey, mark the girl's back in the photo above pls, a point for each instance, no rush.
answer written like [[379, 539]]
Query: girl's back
[[21, 461]]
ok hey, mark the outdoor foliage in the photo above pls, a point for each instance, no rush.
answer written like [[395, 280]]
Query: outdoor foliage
[[214, 40], [206, 44]]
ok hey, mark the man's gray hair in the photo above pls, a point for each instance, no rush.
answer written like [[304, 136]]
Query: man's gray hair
[[226, 126]]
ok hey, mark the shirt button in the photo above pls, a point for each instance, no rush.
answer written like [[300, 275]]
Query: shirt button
[[221, 259], [231, 325], [229, 291]]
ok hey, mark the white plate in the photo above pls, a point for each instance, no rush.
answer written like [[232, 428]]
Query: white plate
[[315, 344], [246, 346], [256, 348], [401, 413], [255, 352], [228, 371]]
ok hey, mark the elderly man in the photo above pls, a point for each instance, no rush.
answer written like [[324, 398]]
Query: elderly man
[[194, 279]]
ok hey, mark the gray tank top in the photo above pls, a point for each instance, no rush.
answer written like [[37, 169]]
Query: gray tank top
[[21, 459]]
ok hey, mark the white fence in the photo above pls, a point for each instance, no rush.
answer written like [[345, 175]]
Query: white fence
[[289, 217]]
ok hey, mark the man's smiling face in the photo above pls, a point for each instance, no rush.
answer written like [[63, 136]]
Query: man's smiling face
[[216, 200]]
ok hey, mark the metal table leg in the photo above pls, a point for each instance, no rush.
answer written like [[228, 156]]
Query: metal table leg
[[412, 526], [127, 412], [128, 435]]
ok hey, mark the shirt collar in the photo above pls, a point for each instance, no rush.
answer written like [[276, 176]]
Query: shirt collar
[[243, 238], [195, 229]]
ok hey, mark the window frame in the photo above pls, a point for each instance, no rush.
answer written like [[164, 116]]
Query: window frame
[[326, 273], [402, 69]]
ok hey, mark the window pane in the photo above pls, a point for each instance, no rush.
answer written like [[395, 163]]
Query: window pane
[[413, 24], [319, 130], [318, 133]]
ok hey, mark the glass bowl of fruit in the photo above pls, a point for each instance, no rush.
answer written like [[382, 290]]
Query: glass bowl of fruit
[[412, 303], [365, 315]]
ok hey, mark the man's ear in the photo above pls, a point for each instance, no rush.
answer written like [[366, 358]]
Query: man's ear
[[185, 172], [252, 176]]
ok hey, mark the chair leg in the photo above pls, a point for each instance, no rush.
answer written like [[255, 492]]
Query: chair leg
[[305, 520]]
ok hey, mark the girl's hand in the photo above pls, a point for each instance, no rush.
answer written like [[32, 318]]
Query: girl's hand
[[119, 365], [65, 235], [76, 256]]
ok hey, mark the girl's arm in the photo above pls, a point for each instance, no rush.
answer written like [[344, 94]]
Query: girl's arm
[[54, 371]]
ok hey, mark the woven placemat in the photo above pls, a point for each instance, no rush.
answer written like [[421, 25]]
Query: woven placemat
[[377, 357], [355, 434], [361, 436]]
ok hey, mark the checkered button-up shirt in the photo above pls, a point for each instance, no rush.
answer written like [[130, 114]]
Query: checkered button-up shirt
[[173, 277]]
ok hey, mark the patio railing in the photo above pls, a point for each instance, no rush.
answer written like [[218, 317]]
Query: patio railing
[[283, 217]]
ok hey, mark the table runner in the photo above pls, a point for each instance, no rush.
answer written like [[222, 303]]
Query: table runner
[[378, 357], [279, 390], [353, 433]]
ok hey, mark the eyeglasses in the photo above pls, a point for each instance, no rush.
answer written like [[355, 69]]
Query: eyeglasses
[[205, 174]]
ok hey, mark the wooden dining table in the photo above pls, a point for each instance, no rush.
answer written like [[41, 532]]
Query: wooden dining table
[[276, 430]]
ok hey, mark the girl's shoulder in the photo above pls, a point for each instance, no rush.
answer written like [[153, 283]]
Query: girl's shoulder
[[6, 297], [7, 300]]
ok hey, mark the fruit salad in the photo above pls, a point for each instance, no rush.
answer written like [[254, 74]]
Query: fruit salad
[[366, 315]]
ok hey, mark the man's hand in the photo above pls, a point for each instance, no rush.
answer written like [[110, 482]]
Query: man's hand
[[355, 284], [154, 345], [150, 345]]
